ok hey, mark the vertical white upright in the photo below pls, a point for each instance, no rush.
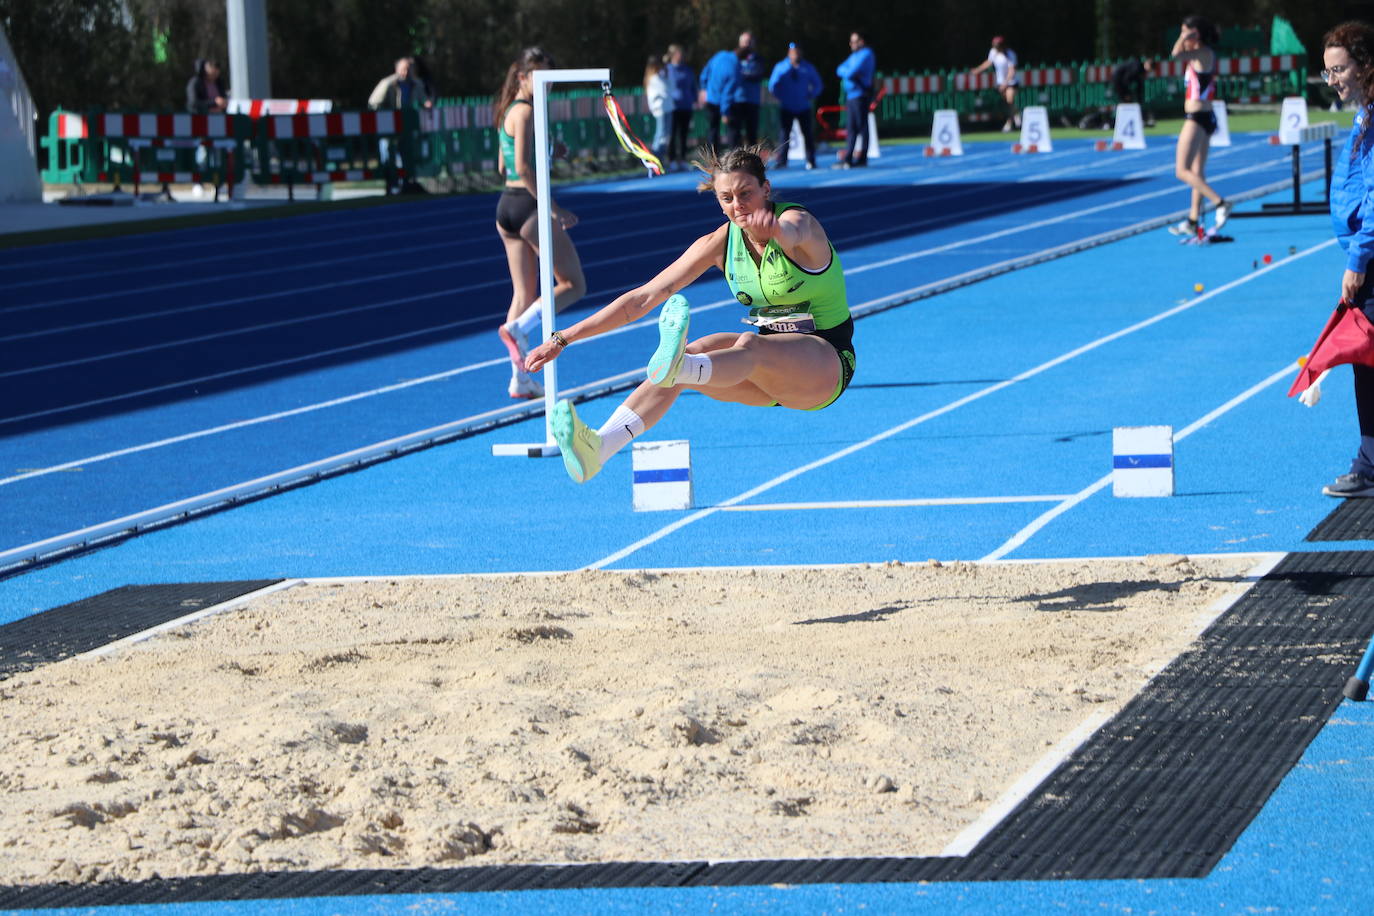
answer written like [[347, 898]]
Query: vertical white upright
[[543, 152]]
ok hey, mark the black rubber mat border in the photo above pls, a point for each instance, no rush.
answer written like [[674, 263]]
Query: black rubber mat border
[[1161, 791], [105, 618], [1351, 520]]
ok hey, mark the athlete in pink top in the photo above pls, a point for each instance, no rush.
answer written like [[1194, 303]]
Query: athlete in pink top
[[1196, 39]]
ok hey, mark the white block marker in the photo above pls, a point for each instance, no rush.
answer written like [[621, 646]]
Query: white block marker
[[662, 475], [1143, 461]]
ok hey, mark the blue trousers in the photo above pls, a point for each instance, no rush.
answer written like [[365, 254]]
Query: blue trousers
[[1363, 463], [856, 115]]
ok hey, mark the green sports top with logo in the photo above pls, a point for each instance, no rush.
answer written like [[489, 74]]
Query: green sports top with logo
[[508, 142], [777, 286]]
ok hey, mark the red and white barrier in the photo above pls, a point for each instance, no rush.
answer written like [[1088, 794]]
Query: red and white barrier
[[343, 124], [257, 108], [912, 85], [160, 125], [1047, 76]]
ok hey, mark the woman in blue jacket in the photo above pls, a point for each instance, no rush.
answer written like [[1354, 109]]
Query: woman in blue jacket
[[856, 77], [1348, 56], [795, 84]]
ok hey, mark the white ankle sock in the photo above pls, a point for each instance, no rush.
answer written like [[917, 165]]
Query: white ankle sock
[[696, 369], [623, 426], [530, 318]]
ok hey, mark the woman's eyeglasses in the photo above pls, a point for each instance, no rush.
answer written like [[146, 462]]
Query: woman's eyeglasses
[[1334, 71]]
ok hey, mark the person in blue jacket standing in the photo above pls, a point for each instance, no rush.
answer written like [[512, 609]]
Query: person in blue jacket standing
[[718, 79], [1348, 57], [744, 108], [856, 78], [795, 84], [682, 86]]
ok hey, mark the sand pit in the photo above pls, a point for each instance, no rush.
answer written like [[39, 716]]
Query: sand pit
[[848, 711]]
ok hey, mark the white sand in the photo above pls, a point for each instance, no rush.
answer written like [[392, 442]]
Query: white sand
[[595, 716]]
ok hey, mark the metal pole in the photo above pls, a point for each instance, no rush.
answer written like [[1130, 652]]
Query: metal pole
[[249, 75], [543, 153]]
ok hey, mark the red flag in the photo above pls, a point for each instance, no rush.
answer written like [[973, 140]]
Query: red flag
[[1347, 338]]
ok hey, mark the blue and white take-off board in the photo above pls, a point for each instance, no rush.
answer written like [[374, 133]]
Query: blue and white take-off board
[[662, 475], [1143, 461]]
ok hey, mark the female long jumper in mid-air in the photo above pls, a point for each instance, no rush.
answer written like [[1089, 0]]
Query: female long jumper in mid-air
[[780, 264]]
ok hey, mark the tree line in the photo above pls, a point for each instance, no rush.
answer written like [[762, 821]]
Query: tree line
[[139, 54]]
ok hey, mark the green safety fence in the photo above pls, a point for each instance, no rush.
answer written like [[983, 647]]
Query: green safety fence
[[320, 149], [457, 137], [138, 148], [1073, 90]]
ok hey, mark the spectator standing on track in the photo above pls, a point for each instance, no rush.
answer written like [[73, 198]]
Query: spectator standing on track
[[205, 92], [856, 78], [748, 93], [1128, 84], [795, 84], [718, 80], [1197, 38], [778, 261], [1348, 58], [1002, 60], [682, 85], [660, 102], [517, 221], [400, 89]]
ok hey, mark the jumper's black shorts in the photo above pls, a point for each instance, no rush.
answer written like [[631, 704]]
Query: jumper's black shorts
[[1205, 119], [514, 209], [841, 337]]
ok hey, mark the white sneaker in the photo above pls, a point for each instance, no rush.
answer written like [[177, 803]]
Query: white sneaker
[[1223, 214], [1187, 227], [516, 344], [525, 387]]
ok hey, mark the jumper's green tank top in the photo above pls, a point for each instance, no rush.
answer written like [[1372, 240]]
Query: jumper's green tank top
[[779, 286], [508, 141]]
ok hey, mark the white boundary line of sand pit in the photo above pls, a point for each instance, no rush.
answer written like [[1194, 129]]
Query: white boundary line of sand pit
[[974, 834]]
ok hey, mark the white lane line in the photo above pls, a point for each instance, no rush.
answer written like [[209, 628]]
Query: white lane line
[[1039, 523], [1053, 220], [893, 503], [184, 508], [969, 838], [947, 408]]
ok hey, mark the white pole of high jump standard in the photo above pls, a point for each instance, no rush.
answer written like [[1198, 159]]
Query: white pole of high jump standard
[[544, 153]]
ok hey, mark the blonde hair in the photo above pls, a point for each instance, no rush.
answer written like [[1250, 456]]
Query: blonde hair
[[752, 160]]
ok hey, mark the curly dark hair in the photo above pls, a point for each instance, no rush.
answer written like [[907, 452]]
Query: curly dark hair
[[1357, 39], [750, 159]]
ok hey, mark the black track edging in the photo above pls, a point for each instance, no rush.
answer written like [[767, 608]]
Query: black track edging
[[1351, 520], [102, 619], [1161, 791]]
